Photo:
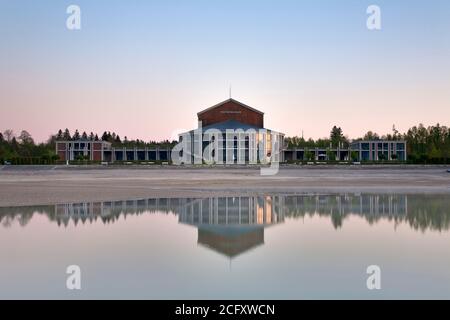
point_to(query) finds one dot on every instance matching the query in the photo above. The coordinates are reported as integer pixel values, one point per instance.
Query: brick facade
(231, 110)
(90, 150)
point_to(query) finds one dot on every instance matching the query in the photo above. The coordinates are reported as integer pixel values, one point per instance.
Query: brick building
(82, 149)
(235, 134)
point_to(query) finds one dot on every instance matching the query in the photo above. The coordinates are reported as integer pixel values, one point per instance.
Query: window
(163, 155)
(130, 156)
(119, 155)
(141, 155)
(400, 146)
(152, 155)
(365, 155)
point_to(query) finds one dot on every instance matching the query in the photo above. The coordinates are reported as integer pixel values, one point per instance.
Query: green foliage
(428, 145)
(23, 149)
(371, 136)
(424, 144)
(331, 156)
(81, 157)
(337, 139)
(309, 155)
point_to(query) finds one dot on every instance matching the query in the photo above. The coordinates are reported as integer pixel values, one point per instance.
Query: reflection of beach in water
(233, 225)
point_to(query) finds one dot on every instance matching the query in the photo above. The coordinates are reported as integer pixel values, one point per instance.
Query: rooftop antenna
(230, 91)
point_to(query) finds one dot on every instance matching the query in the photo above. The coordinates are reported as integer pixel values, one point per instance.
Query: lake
(269, 246)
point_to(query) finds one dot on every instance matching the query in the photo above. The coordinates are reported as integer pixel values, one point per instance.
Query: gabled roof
(231, 240)
(230, 100)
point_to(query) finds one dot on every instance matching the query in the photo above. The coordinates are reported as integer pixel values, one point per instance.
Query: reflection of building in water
(110, 211)
(230, 240)
(229, 225)
(420, 211)
(232, 225)
(257, 210)
(338, 207)
(254, 210)
(365, 204)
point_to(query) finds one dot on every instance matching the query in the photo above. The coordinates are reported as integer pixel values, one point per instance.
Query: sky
(145, 68)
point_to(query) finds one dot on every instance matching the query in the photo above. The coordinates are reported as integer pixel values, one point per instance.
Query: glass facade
(242, 148)
(237, 146)
(365, 155)
(380, 150)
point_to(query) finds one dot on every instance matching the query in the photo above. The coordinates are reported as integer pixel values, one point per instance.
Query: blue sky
(144, 68)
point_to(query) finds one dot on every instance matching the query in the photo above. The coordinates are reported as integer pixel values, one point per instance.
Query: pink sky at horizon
(142, 115)
(147, 74)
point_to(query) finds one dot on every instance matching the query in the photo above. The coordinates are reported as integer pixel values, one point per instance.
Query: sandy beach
(31, 185)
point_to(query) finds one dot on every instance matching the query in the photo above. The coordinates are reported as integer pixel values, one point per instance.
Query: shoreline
(218, 167)
(46, 185)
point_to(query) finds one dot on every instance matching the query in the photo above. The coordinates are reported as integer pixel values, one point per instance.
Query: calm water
(269, 246)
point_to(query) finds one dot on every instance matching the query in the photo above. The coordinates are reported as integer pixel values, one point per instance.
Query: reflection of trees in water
(22, 215)
(421, 212)
(429, 212)
(338, 207)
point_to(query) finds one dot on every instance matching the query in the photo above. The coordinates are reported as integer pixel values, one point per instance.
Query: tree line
(113, 138)
(22, 149)
(423, 144)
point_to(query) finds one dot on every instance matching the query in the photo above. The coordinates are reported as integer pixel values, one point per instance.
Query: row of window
(79, 146)
(383, 146)
(140, 155)
(383, 155)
